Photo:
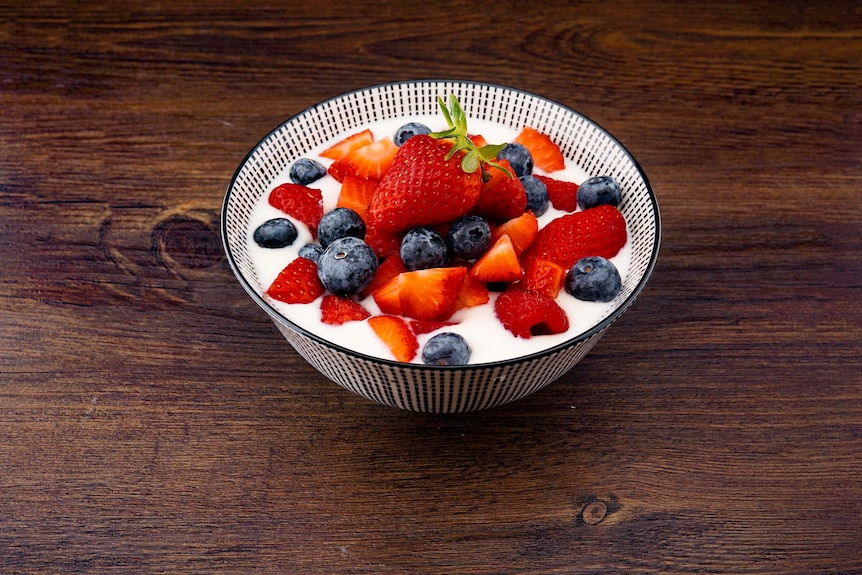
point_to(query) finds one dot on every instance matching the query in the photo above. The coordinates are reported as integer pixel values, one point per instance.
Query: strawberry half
(423, 187)
(427, 294)
(546, 154)
(502, 195)
(474, 292)
(343, 147)
(396, 334)
(498, 264)
(297, 283)
(356, 194)
(335, 310)
(563, 195)
(599, 231)
(543, 276)
(301, 202)
(526, 313)
(367, 162)
(522, 231)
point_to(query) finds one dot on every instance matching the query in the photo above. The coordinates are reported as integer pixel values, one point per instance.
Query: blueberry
(469, 237)
(519, 158)
(423, 248)
(275, 233)
(347, 266)
(305, 171)
(311, 252)
(446, 348)
(594, 278)
(599, 190)
(339, 223)
(537, 195)
(409, 130)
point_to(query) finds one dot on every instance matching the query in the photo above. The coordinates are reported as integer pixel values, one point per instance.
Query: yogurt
(489, 341)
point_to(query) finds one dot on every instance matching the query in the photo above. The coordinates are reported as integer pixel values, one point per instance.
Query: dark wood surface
(152, 419)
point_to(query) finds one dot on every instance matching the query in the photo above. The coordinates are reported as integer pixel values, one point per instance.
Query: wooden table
(152, 419)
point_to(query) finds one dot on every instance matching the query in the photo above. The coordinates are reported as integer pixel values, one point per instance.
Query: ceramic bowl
(425, 388)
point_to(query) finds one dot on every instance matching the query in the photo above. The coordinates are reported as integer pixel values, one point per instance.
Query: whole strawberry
(599, 231)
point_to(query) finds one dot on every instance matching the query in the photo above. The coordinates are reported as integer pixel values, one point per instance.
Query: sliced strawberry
(543, 276)
(502, 195)
(427, 294)
(356, 194)
(423, 188)
(498, 264)
(474, 292)
(301, 202)
(384, 243)
(526, 313)
(386, 270)
(599, 231)
(343, 147)
(297, 283)
(396, 334)
(478, 140)
(546, 154)
(373, 160)
(522, 231)
(420, 327)
(563, 194)
(336, 310)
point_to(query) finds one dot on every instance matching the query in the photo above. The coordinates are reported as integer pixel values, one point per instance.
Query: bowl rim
(581, 337)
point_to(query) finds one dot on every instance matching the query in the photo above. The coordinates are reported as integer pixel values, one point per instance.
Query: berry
(521, 230)
(347, 266)
(502, 195)
(543, 276)
(300, 202)
(546, 154)
(537, 195)
(474, 292)
(427, 295)
(335, 310)
(594, 278)
(499, 264)
(527, 313)
(297, 283)
(346, 145)
(396, 334)
(305, 171)
(423, 248)
(409, 130)
(469, 237)
(420, 327)
(598, 191)
(446, 348)
(339, 223)
(368, 162)
(386, 270)
(356, 194)
(311, 252)
(563, 195)
(598, 231)
(518, 157)
(275, 233)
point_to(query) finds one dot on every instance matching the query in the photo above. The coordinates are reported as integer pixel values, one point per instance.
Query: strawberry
(420, 327)
(502, 195)
(522, 231)
(343, 147)
(385, 244)
(478, 140)
(301, 202)
(336, 310)
(368, 162)
(563, 195)
(527, 313)
(474, 292)
(386, 270)
(427, 294)
(546, 154)
(543, 276)
(396, 334)
(297, 283)
(423, 187)
(356, 194)
(599, 231)
(498, 264)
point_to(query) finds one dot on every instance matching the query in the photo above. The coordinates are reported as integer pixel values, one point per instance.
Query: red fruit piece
(297, 283)
(474, 292)
(423, 188)
(385, 244)
(419, 327)
(386, 270)
(599, 231)
(343, 147)
(356, 194)
(526, 313)
(396, 334)
(301, 202)
(336, 310)
(502, 195)
(427, 294)
(367, 162)
(562, 194)
(522, 231)
(546, 154)
(498, 264)
(543, 276)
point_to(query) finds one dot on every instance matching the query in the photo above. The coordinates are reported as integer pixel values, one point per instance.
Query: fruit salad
(420, 240)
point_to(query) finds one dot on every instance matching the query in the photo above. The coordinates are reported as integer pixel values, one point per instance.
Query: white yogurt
(489, 341)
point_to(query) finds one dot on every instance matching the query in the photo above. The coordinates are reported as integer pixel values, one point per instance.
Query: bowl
(432, 388)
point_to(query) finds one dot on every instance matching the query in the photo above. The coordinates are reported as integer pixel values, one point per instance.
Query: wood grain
(152, 420)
